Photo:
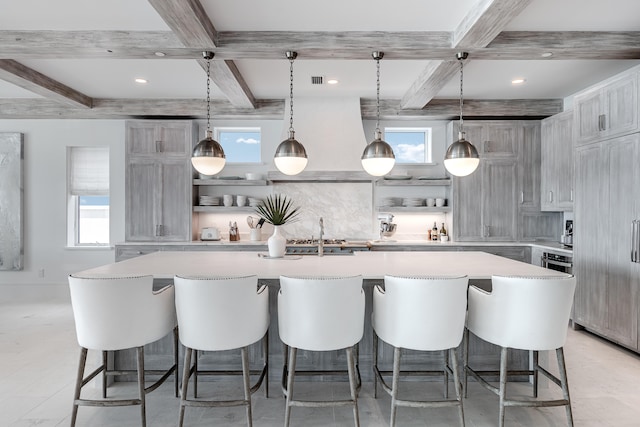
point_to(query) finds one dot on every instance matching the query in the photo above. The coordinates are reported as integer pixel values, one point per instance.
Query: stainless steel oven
(558, 262)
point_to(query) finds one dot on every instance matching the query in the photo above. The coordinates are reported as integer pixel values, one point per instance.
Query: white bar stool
(118, 313)
(320, 314)
(526, 313)
(218, 314)
(424, 314)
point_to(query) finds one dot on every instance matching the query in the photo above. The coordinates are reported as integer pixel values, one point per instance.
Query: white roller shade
(88, 171)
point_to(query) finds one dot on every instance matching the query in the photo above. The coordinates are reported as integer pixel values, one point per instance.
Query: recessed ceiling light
(161, 54)
(332, 81)
(517, 81)
(547, 54)
(141, 80)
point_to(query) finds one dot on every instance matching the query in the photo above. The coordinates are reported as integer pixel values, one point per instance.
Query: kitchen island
(478, 266)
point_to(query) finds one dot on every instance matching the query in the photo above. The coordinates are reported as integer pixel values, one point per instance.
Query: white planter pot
(277, 243)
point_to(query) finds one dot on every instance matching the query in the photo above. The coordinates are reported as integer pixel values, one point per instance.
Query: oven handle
(548, 261)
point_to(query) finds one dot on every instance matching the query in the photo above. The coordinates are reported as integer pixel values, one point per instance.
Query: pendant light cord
(291, 94)
(208, 95)
(461, 129)
(378, 97)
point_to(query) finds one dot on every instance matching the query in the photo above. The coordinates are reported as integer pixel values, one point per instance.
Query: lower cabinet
(608, 283)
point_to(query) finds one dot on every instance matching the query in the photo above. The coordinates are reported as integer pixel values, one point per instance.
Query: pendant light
(462, 157)
(208, 156)
(378, 158)
(290, 157)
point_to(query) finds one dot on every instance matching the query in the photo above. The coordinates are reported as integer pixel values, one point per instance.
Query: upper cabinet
(500, 201)
(608, 109)
(158, 180)
(556, 190)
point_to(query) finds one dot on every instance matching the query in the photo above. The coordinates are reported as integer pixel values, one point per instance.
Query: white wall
(45, 143)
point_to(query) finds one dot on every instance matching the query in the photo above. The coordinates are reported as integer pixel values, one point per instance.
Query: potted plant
(277, 210)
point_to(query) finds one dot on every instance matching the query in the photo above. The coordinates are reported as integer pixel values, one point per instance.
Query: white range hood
(330, 130)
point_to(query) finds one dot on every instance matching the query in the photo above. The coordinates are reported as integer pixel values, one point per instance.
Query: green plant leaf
(278, 210)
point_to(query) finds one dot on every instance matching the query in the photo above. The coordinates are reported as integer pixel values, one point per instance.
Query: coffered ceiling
(79, 58)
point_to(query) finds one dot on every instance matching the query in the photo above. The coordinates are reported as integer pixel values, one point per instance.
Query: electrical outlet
(41, 272)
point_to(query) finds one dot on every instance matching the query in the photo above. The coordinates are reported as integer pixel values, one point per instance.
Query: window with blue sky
(410, 145)
(240, 145)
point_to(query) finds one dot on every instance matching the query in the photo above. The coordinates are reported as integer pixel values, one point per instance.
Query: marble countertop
(371, 265)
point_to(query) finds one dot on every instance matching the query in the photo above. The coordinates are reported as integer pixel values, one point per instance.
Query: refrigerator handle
(637, 239)
(634, 240)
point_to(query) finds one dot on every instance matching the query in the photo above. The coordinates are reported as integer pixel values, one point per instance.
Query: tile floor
(38, 355)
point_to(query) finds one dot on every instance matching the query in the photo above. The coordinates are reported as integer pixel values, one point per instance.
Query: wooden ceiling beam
(478, 28)
(33, 81)
(21, 108)
(516, 45)
(190, 23)
(448, 109)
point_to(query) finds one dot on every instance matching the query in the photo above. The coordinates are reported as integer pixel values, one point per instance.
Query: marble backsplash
(346, 209)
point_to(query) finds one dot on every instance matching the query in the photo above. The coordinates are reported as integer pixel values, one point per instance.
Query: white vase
(277, 243)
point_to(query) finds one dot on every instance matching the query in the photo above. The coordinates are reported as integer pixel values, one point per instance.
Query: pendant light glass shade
(291, 157)
(208, 156)
(462, 158)
(378, 158)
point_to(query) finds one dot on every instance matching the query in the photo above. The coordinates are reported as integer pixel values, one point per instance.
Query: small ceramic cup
(227, 200)
(241, 200)
(255, 234)
(440, 202)
(431, 202)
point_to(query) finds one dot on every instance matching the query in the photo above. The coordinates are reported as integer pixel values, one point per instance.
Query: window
(88, 196)
(410, 145)
(240, 145)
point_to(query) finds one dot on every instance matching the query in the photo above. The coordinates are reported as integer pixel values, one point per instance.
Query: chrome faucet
(321, 239)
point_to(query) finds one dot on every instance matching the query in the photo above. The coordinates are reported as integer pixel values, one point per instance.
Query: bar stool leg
(105, 361)
(535, 373)
(351, 365)
(456, 379)
(78, 388)
(265, 355)
(465, 363)
(176, 384)
(247, 384)
(195, 373)
(503, 384)
(375, 365)
(445, 375)
(290, 373)
(394, 384)
(565, 384)
(143, 405)
(185, 384)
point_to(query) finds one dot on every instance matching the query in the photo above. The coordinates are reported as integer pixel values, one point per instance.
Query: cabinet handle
(633, 240)
(522, 197)
(159, 230)
(158, 146)
(602, 122)
(550, 196)
(571, 196)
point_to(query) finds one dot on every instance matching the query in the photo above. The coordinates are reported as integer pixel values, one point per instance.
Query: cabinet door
(158, 137)
(174, 203)
(590, 259)
(563, 143)
(140, 209)
(588, 109)
(622, 309)
(467, 197)
(499, 200)
(500, 139)
(548, 164)
(529, 170)
(621, 100)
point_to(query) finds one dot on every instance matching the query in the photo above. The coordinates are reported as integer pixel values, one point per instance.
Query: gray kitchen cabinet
(608, 109)
(556, 189)
(501, 200)
(607, 180)
(158, 181)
